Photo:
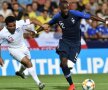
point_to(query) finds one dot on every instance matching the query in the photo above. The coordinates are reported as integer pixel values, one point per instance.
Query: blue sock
(69, 79)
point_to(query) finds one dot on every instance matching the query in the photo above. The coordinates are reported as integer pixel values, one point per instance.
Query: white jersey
(14, 40)
(16, 44)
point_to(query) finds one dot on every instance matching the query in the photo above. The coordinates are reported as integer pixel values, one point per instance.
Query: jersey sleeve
(1, 39)
(80, 14)
(21, 23)
(30, 27)
(54, 19)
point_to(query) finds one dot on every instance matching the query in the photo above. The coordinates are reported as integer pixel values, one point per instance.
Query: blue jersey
(71, 25)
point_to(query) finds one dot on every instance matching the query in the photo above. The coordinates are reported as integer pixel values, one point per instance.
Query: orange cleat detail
(72, 87)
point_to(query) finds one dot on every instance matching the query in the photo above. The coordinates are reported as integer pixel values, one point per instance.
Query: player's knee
(70, 64)
(67, 63)
(26, 62)
(63, 62)
(29, 64)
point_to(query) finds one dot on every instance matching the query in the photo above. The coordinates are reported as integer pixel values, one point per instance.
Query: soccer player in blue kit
(70, 44)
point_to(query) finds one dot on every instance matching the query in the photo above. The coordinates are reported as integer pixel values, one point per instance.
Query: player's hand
(1, 62)
(33, 34)
(45, 26)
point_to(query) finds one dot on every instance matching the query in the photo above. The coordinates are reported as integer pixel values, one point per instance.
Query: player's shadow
(62, 87)
(15, 88)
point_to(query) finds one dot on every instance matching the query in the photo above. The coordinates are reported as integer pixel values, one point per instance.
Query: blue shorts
(69, 50)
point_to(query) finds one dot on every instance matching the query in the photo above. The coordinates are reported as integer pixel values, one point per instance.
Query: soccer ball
(88, 84)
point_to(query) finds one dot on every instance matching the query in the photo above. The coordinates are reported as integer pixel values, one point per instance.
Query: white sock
(33, 74)
(70, 64)
(22, 68)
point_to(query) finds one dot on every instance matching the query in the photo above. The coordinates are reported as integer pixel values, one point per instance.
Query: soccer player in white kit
(18, 49)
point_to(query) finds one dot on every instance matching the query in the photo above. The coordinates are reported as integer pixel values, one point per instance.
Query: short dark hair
(63, 2)
(10, 19)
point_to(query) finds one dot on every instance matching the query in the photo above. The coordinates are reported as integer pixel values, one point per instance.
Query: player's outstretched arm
(31, 33)
(87, 16)
(34, 33)
(50, 23)
(1, 60)
(97, 19)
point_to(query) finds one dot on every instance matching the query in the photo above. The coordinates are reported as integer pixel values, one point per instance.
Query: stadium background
(92, 61)
(93, 57)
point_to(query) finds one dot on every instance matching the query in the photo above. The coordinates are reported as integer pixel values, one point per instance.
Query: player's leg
(74, 51)
(18, 54)
(21, 56)
(22, 68)
(67, 73)
(66, 70)
(62, 51)
(27, 63)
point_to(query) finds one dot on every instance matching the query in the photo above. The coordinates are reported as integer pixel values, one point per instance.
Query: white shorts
(19, 53)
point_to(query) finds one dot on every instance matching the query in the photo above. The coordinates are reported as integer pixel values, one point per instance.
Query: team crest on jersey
(10, 39)
(73, 20)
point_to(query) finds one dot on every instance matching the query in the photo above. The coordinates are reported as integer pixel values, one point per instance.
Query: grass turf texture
(53, 82)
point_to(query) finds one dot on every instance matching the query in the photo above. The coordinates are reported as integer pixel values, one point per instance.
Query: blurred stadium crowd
(43, 10)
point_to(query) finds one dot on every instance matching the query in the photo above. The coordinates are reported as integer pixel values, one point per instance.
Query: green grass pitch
(53, 82)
